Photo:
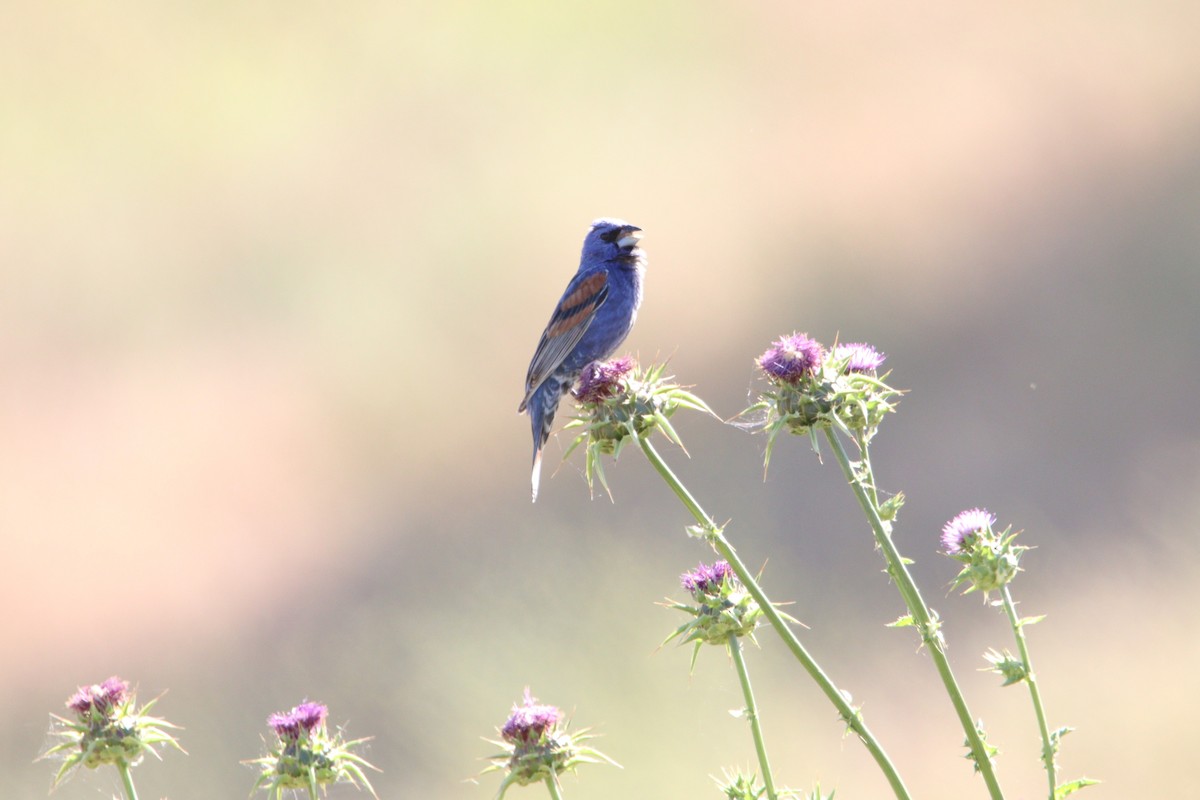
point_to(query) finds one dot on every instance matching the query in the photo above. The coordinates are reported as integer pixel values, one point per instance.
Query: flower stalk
(127, 779)
(1049, 746)
(552, 787)
(760, 747)
(706, 529)
(723, 613)
(812, 390)
(990, 560)
(862, 482)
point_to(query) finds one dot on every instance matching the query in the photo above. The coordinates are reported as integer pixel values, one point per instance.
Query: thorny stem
(1019, 632)
(739, 661)
(716, 537)
(921, 615)
(127, 779)
(552, 787)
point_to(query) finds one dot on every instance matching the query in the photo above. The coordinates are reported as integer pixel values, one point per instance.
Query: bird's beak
(630, 236)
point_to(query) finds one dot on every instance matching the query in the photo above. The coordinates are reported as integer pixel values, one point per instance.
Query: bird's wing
(570, 320)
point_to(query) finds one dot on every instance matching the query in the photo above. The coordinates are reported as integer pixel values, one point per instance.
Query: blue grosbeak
(591, 320)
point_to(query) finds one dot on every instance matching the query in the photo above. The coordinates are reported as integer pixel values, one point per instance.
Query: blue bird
(591, 320)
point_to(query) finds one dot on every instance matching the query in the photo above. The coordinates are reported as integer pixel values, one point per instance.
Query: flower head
(536, 746)
(108, 728)
(814, 390)
(705, 579)
(306, 755)
(859, 357)
(990, 558)
(529, 723)
(303, 718)
(958, 533)
(99, 697)
(722, 608)
(790, 359)
(619, 403)
(603, 379)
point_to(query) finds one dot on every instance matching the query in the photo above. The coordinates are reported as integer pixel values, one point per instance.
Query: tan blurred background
(271, 274)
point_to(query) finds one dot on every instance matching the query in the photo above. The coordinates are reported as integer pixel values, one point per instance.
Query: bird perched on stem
(591, 320)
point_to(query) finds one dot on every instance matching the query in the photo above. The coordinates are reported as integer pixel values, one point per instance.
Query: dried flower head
(107, 728)
(535, 746)
(305, 755)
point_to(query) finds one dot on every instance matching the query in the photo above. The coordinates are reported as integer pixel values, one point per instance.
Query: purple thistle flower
(791, 358)
(862, 357)
(310, 715)
(958, 533)
(602, 379)
(81, 701)
(99, 697)
(113, 691)
(528, 723)
(705, 579)
(306, 716)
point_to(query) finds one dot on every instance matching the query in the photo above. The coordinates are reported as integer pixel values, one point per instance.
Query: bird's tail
(537, 471)
(542, 407)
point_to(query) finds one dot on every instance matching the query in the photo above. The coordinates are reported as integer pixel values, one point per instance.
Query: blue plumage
(591, 320)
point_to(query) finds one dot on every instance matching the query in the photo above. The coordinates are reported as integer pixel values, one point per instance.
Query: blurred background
(271, 275)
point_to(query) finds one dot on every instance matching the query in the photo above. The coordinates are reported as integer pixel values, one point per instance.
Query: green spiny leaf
(1073, 786)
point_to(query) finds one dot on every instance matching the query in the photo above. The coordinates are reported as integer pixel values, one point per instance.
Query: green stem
(1019, 632)
(717, 538)
(127, 779)
(922, 618)
(552, 787)
(735, 650)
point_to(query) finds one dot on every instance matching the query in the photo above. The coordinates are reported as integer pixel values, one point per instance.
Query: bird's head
(612, 239)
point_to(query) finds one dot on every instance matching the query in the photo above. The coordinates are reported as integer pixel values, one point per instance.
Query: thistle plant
(630, 409)
(723, 613)
(536, 748)
(813, 389)
(305, 756)
(838, 392)
(618, 403)
(107, 727)
(990, 562)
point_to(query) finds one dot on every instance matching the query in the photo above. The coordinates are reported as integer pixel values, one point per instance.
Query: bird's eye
(611, 236)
